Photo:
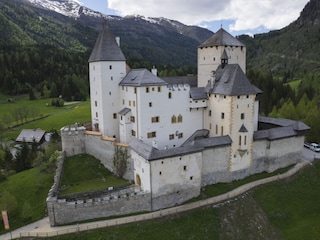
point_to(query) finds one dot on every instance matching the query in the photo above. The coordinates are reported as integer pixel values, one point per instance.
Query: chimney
(154, 71)
(118, 41)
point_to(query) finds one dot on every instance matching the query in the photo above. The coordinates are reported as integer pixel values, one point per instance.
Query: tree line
(280, 100)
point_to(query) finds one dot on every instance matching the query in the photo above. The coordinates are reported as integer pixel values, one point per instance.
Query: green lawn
(59, 116)
(29, 189)
(90, 174)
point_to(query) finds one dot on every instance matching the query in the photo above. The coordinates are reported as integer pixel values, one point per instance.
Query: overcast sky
(236, 16)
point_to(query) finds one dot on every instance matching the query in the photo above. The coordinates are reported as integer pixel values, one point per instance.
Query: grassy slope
(28, 186)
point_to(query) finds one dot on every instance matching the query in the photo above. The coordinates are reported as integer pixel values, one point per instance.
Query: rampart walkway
(42, 228)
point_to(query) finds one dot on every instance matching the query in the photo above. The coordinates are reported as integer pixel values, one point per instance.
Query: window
(132, 118)
(242, 116)
(171, 136)
(209, 113)
(180, 118)
(135, 90)
(110, 93)
(134, 103)
(123, 101)
(239, 140)
(180, 135)
(147, 89)
(96, 103)
(114, 116)
(96, 114)
(150, 104)
(169, 95)
(221, 130)
(133, 133)
(173, 119)
(185, 168)
(216, 129)
(126, 89)
(111, 78)
(159, 89)
(110, 67)
(222, 115)
(245, 140)
(152, 89)
(155, 119)
(151, 134)
(129, 102)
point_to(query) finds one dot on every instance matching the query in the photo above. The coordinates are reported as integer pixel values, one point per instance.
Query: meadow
(54, 117)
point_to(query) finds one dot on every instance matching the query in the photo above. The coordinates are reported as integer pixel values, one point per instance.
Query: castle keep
(182, 133)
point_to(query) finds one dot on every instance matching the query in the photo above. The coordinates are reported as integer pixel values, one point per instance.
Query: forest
(55, 72)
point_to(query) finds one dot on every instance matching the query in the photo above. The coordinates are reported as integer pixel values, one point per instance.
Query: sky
(235, 16)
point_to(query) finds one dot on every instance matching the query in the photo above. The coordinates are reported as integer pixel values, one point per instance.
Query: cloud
(246, 14)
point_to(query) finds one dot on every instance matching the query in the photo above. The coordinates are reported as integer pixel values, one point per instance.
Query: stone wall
(118, 203)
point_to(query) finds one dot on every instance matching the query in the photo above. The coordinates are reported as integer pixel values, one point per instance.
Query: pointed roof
(243, 129)
(141, 77)
(230, 80)
(224, 55)
(222, 38)
(106, 47)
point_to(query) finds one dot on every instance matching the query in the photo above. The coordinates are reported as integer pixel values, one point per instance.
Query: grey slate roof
(278, 128)
(224, 55)
(230, 80)
(197, 145)
(124, 111)
(282, 122)
(275, 133)
(106, 47)
(142, 77)
(30, 135)
(243, 128)
(222, 38)
(198, 93)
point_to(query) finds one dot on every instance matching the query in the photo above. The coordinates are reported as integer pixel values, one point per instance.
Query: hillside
(291, 52)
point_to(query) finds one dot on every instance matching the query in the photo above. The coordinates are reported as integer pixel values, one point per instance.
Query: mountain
(292, 52)
(154, 40)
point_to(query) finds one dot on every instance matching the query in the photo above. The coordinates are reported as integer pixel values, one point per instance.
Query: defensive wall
(268, 155)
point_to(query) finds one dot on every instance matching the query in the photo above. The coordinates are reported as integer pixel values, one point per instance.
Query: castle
(182, 133)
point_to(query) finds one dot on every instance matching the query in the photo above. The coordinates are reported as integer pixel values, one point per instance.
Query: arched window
(173, 119)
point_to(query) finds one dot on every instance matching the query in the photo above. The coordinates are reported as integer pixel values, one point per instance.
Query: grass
(59, 116)
(294, 84)
(30, 187)
(292, 206)
(90, 175)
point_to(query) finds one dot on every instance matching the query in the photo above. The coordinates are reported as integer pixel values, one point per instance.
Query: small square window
(242, 116)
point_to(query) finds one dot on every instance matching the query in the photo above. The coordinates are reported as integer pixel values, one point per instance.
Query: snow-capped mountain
(68, 8)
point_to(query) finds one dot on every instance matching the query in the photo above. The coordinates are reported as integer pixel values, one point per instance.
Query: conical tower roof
(106, 47)
(222, 38)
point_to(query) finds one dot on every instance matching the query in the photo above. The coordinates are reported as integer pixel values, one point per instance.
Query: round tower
(107, 67)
